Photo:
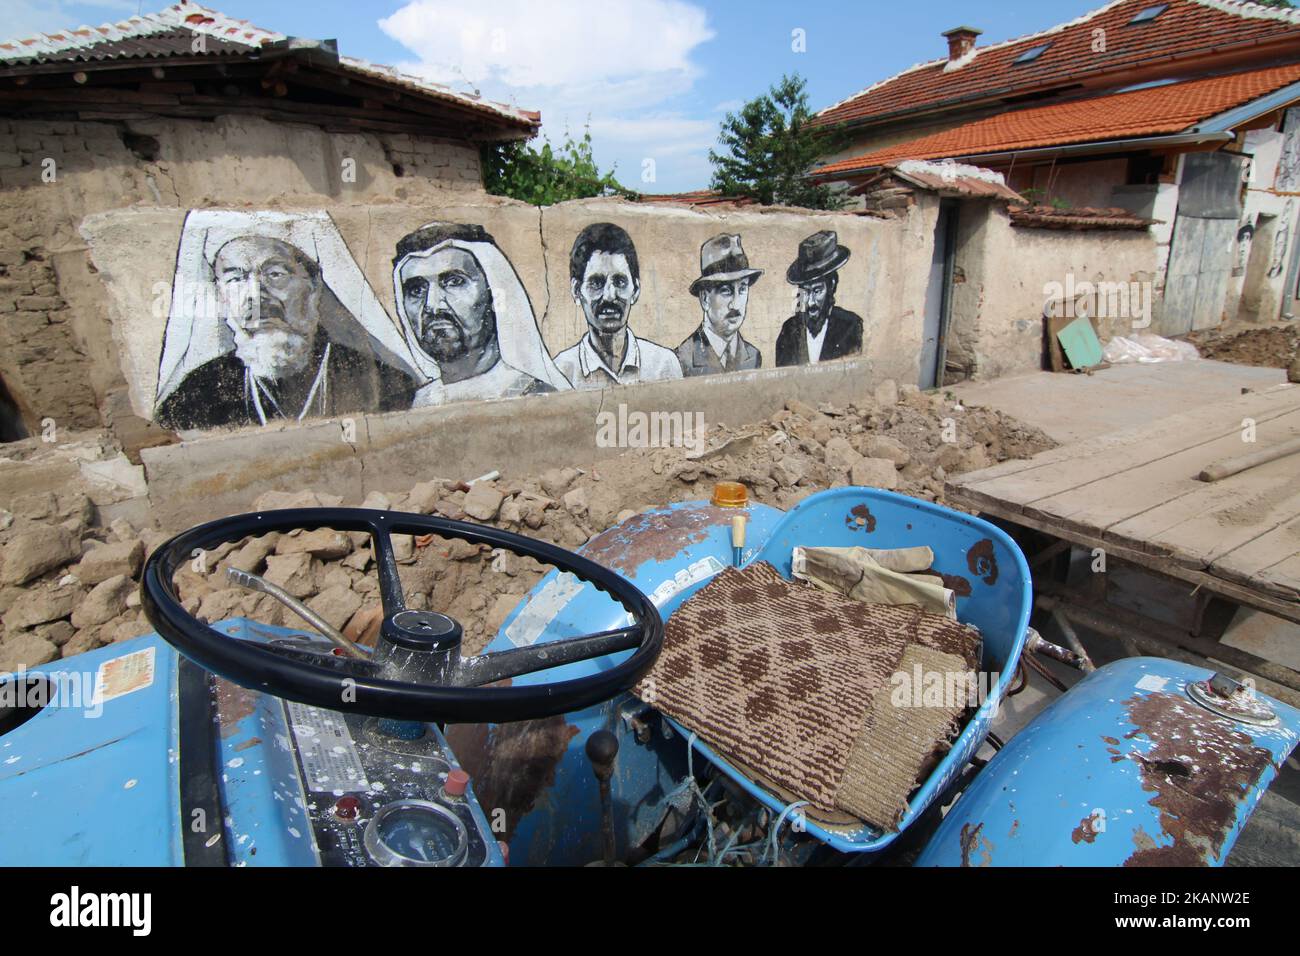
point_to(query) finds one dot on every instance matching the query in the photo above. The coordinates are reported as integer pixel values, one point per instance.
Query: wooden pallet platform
(1134, 493)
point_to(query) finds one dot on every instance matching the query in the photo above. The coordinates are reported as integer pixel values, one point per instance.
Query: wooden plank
(1270, 562)
(1201, 527)
(1219, 419)
(1240, 593)
(1099, 505)
(1119, 452)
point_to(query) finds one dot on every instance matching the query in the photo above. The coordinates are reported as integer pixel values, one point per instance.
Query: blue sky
(654, 76)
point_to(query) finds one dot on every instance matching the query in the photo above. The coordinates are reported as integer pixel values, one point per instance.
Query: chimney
(961, 40)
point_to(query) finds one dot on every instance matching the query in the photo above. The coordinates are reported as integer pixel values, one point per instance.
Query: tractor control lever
(253, 582)
(602, 750)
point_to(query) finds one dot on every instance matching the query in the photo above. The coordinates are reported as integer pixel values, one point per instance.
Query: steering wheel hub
(423, 631)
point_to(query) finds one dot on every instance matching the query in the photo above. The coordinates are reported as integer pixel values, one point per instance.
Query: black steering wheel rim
(261, 669)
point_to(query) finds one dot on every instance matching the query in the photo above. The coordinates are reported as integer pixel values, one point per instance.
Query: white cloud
(615, 65)
(523, 43)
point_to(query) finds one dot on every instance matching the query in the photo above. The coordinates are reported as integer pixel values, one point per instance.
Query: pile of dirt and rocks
(68, 585)
(1274, 347)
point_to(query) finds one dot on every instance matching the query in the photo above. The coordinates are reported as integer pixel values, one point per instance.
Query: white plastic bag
(1147, 348)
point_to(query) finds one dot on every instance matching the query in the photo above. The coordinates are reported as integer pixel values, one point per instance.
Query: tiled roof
(1150, 111)
(170, 33)
(1188, 28)
(955, 179)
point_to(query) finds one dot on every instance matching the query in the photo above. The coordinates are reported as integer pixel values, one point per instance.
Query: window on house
(1030, 55)
(1148, 14)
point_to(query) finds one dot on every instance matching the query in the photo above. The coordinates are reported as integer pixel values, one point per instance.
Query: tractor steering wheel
(416, 671)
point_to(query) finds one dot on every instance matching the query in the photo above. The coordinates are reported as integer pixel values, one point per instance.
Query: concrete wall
(1264, 252)
(57, 354)
(1007, 275)
(224, 472)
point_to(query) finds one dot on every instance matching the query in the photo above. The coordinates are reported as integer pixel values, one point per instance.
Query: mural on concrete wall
(467, 319)
(272, 319)
(1245, 235)
(605, 279)
(722, 288)
(1281, 240)
(819, 330)
(1288, 164)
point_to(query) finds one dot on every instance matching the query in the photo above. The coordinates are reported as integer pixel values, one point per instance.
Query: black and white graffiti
(467, 319)
(1281, 240)
(1288, 164)
(722, 288)
(605, 279)
(819, 330)
(272, 319)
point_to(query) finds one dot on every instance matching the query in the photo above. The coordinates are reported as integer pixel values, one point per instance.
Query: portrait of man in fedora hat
(820, 330)
(723, 290)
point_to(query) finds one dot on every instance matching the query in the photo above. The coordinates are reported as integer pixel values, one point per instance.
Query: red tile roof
(1146, 112)
(1187, 29)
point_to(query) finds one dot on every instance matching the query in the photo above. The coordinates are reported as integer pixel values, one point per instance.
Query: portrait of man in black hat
(820, 330)
(723, 290)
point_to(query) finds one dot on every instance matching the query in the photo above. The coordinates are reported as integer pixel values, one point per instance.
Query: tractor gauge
(416, 833)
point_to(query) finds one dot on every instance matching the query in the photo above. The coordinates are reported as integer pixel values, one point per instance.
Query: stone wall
(1006, 276)
(57, 349)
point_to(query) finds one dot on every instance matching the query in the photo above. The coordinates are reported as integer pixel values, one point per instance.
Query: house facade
(1182, 112)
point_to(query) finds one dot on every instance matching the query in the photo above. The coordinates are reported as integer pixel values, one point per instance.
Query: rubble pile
(68, 585)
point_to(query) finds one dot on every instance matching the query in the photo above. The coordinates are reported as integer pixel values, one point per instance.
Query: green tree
(769, 146)
(546, 176)
(1285, 4)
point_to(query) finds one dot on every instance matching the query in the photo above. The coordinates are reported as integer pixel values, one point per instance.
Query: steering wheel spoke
(390, 582)
(499, 665)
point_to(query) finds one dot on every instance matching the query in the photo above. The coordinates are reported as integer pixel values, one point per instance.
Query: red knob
(347, 808)
(457, 781)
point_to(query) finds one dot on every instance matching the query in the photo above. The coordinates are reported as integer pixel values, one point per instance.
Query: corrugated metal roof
(178, 42)
(171, 32)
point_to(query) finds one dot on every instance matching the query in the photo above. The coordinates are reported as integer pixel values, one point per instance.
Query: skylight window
(1149, 13)
(1030, 55)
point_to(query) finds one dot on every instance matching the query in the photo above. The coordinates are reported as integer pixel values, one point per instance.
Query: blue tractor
(242, 744)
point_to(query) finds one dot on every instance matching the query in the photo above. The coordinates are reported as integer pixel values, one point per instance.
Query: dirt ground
(1275, 347)
(68, 585)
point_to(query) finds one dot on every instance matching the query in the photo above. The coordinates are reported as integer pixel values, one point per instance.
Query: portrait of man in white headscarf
(272, 319)
(467, 318)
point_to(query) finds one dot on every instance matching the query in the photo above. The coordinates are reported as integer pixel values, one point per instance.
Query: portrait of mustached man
(605, 279)
(723, 292)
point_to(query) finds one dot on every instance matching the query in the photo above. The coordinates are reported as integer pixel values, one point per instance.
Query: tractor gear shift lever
(602, 751)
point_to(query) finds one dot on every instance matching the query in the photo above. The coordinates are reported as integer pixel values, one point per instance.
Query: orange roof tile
(1186, 30)
(1146, 112)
